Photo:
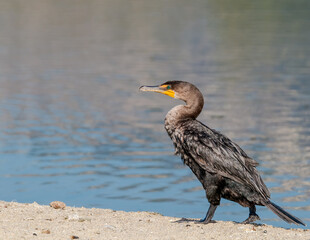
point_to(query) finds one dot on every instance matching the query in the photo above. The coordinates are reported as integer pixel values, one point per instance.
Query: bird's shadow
(190, 220)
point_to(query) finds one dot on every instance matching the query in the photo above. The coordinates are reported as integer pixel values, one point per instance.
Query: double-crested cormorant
(222, 167)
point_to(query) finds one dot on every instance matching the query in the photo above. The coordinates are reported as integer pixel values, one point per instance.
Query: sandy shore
(34, 221)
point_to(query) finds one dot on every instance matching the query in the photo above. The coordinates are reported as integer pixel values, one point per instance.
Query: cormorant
(222, 167)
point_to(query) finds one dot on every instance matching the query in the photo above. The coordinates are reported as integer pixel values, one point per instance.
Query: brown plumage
(222, 167)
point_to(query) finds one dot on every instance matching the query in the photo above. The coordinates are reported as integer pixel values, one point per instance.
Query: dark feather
(216, 153)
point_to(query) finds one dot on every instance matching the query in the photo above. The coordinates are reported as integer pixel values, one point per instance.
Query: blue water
(75, 128)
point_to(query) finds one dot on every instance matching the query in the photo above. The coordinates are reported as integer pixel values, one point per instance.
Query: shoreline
(34, 221)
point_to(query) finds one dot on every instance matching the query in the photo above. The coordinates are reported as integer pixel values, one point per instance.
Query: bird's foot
(203, 221)
(251, 218)
(209, 214)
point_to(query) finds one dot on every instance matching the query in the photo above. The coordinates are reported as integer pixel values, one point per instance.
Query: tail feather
(287, 217)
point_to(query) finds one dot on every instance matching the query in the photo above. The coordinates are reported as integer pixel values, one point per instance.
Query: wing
(216, 153)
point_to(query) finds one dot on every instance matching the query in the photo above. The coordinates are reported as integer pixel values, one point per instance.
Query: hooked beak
(160, 89)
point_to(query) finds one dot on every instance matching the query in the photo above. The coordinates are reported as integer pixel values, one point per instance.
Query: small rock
(73, 217)
(58, 205)
(46, 231)
(74, 237)
(109, 227)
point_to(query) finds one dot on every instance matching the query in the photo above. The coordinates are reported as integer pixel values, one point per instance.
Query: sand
(34, 221)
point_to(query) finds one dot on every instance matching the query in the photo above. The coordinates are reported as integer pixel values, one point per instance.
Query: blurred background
(75, 128)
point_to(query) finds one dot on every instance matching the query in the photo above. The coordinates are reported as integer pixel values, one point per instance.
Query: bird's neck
(181, 113)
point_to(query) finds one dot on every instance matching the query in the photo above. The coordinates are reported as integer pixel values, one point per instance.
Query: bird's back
(208, 150)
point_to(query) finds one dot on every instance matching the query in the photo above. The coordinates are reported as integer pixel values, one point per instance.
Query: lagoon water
(75, 128)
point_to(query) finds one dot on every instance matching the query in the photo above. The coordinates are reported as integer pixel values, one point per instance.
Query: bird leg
(209, 214)
(252, 216)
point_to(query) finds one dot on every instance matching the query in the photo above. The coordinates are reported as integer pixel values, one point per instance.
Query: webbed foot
(251, 218)
(209, 214)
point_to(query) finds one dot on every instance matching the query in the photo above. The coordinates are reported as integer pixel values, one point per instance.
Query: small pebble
(46, 231)
(73, 217)
(109, 227)
(58, 205)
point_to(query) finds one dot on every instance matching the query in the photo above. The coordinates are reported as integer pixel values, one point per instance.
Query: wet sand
(34, 221)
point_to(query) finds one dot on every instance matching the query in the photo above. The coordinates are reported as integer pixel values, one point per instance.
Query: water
(75, 128)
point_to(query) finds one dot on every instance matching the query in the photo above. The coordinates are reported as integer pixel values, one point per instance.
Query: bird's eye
(168, 87)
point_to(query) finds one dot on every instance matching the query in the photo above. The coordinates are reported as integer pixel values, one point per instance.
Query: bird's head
(184, 91)
(175, 89)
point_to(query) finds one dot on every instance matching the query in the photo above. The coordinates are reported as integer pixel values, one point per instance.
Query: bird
(221, 166)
